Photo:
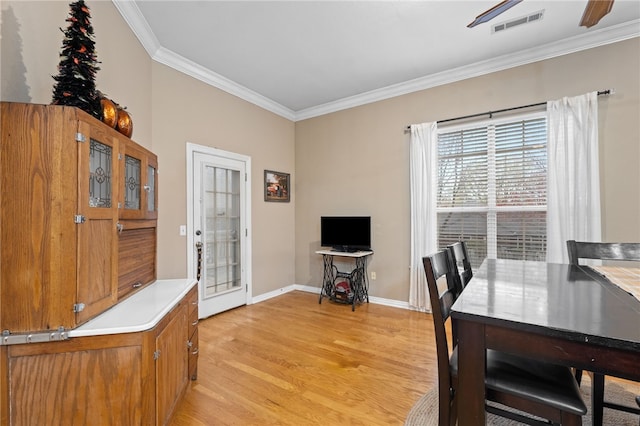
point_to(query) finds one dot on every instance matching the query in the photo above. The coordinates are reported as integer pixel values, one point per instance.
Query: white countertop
(140, 312)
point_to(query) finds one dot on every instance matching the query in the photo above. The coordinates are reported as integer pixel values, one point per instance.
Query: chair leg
(597, 397)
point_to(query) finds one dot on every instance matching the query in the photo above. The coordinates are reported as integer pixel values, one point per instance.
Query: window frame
(491, 209)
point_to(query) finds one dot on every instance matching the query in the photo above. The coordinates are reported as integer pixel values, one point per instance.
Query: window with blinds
(492, 188)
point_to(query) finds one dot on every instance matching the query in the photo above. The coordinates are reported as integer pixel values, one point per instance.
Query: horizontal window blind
(492, 186)
(521, 163)
(462, 168)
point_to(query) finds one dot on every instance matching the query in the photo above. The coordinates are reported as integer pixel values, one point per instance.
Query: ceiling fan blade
(493, 12)
(594, 11)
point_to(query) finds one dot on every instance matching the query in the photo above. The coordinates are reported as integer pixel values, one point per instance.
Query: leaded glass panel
(151, 184)
(131, 183)
(100, 173)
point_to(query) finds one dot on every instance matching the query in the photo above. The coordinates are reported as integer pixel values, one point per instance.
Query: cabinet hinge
(78, 307)
(80, 137)
(156, 355)
(79, 219)
(45, 336)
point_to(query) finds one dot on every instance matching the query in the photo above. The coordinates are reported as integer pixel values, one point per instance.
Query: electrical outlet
(373, 275)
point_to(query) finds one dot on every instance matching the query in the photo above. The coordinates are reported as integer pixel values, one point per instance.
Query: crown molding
(138, 24)
(186, 66)
(590, 40)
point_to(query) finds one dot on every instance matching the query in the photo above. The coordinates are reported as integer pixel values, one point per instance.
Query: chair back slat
(463, 271)
(603, 251)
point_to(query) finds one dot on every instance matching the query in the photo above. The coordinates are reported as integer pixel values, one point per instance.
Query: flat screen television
(346, 233)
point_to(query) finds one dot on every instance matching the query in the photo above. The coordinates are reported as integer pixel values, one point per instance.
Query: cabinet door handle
(189, 343)
(119, 227)
(195, 352)
(194, 323)
(147, 188)
(137, 284)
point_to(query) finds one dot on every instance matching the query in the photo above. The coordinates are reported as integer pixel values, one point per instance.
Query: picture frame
(277, 186)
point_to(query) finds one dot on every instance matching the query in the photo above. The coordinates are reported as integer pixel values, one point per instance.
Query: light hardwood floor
(292, 361)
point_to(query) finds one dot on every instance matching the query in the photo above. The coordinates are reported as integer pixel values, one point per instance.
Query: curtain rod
(490, 113)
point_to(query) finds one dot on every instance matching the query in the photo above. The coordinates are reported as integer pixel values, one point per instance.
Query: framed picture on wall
(277, 186)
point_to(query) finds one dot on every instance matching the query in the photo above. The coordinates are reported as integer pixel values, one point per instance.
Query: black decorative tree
(78, 64)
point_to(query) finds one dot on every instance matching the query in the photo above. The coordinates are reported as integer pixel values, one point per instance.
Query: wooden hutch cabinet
(79, 214)
(59, 212)
(78, 221)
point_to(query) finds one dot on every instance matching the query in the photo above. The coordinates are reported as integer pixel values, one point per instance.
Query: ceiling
(301, 59)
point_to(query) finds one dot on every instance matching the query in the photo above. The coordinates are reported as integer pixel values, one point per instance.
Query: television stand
(357, 276)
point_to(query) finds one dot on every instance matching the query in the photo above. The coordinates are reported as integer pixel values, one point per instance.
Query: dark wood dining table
(565, 314)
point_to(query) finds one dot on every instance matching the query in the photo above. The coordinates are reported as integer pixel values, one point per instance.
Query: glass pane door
(220, 235)
(221, 199)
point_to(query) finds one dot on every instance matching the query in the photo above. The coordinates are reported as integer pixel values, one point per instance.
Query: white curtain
(573, 179)
(423, 167)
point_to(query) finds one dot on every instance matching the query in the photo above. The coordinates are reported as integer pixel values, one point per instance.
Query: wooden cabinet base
(118, 379)
(88, 382)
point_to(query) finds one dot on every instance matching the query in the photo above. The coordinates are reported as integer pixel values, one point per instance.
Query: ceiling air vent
(536, 16)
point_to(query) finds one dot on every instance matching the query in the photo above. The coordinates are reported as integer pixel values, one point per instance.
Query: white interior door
(219, 231)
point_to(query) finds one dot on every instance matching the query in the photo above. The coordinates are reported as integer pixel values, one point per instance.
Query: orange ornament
(109, 112)
(125, 124)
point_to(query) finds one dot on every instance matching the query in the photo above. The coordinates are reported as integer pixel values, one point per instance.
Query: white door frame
(246, 245)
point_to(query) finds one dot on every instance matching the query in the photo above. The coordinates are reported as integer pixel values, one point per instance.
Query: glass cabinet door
(150, 187)
(100, 173)
(98, 177)
(140, 179)
(132, 182)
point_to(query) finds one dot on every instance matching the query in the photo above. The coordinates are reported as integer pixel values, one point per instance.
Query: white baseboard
(310, 289)
(274, 293)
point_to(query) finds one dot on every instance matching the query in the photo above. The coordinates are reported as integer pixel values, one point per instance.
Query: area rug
(425, 410)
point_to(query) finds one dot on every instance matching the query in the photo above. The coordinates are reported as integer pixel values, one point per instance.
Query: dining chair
(540, 389)
(461, 260)
(602, 251)
(462, 273)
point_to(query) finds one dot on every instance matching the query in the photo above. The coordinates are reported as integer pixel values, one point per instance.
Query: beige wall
(350, 162)
(186, 110)
(356, 161)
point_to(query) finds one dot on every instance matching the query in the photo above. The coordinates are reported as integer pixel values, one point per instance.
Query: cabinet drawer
(192, 300)
(193, 322)
(193, 355)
